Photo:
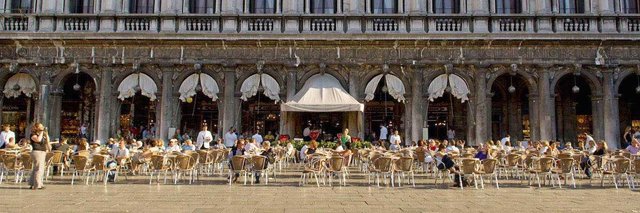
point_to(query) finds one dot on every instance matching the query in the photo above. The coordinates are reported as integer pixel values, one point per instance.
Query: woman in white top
(173, 146)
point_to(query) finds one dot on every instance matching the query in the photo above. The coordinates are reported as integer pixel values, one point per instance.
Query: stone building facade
(521, 67)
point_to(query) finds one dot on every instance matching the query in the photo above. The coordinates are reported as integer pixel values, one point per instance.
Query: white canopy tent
(250, 87)
(20, 83)
(127, 87)
(394, 85)
(208, 85)
(459, 88)
(322, 93)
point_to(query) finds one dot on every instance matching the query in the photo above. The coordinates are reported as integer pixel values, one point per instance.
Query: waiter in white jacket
(204, 138)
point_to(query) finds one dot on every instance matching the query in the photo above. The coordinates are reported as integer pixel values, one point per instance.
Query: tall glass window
(202, 6)
(508, 6)
(630, 6)
(446, 6)
(21, 6)
(141, 6)
(324, 6)
(81, 6)
(571, 6)
(384, 6)
(262, 6)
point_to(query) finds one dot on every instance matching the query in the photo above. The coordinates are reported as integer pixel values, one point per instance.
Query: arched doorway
(138, 107)
(384, 106)
(629, 103)
(574, 108)
(260, 111)
(447, 108)
(78, 106)
(199, 95)
(510, 108)
(18, 104)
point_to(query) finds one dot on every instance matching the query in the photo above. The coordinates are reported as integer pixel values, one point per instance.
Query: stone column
(546, 106)
(471, 120)
(534, 116)
(480, 9)
(408, 123)
(229, 101)
(606, 8)
(482, 112)
(291, 23)
(168, 10)
(167, 105)
(1, 105)
(598, 116)
(287, 121)
(109, 7)
(418, 108)
(56, 115)
(354, 81)
(230, 23)
(611, 115)
(544, 8)
(354, 8)
(48, 9)
(106, 106)
(416, 22)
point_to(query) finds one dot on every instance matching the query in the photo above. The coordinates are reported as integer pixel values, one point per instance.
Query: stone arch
(184, 75)
(65, 74)
(313, 70)
(592, 80)
(532, 84)
(621, 76)
(469, 80)
(4, 77)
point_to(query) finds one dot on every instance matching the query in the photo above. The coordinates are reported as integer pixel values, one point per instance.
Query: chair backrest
(566, 165)
(336, 163)
(564, 155)
(513, 159)
(83, 153)
(10, 161)
(622, 165)
(259, 162)
(158, 162)
(99, 162)
(636, 166)
(185, 162)
(56, 157)
(626, 155)
(420, 155)
(469, 166)
(467, 155)
(405, 164)
(25, 159)
(238, 163)
(489, 165)
(546, 164)
(80, 161)
(383, 164)
(203, 156)
(195, 156)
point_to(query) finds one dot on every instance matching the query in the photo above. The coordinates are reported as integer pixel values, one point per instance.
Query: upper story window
(324, 6)
(141, 6)
(21, 6)
(262, 6)
(630, 6)
(384, 6)
(446, 6)
(571, 6)
(81, 6)
(202, 6)
(508, 6)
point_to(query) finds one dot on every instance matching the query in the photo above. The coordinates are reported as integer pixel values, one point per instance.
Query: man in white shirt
(450, 147)
(395, 137)
(173, 146)
(204, 138)
(258, 138)
(504, 141)
(383, 132)
(7, 137)
(230, 138)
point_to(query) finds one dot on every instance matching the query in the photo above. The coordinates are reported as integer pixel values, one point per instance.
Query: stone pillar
(416, 23)
(56, 116)
(354, 81)
(354, 8)
(291, 23)
(471, 120)
(611, 116)
(167, 9)
(106, 106)
(230, 23)
(545, 24)
(287, 121)
(167, 105)
(480, 9)
(534, 116)
(608, 21)
(48, 8)
(482, 112)
(5, 7)
(42, 113)
(417, 105)
(598, 116)
(1, 105)
(408, 123)
(109, 7)
(546, 106)
(229, 102)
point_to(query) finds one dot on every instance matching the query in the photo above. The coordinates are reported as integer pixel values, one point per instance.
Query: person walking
(40, 143)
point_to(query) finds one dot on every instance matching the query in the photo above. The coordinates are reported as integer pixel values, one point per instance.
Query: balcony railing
(323, 23)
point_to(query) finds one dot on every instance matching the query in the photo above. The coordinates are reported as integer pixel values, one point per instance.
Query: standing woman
(39, 142)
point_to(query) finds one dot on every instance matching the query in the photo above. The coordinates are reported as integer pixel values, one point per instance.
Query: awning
(395, 87)
(250, 87)
(208, 85)
(322, 93)
(458, 86)
(127, 87)
(20, 83)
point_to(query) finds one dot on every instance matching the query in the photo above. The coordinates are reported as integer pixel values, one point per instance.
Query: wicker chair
(218, 160)
(259, 163)
(10, 163)
(566, 168)
(26, 165)
(205, 161)
(620, 168)
(542, 166)
(159, 164)
(315, 167)
(81, 168)
(99, 164)
(336, 167)
(382, 166)
(238, 165)
(471, 167)
(185, 164)
(489, 168)
(55, 160)
(635, 172)
(404, 167)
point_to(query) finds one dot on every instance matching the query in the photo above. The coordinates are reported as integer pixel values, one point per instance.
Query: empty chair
(159, 165)
(238, 166)
(10, 163)
(80, 168)
(314, 168)
(566, 168)
(336, 167)
(185, 164)
(620, 168)
(404, 167)
(55, 160)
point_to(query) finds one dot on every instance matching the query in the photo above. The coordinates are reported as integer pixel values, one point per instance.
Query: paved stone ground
(212, 194)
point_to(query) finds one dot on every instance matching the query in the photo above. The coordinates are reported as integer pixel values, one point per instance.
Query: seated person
(218, 144)
(25, 145)
(94, 148)
(395, 146)
(173, 146)
(445, 163)
(238, 150)
(634, 147)
(120, 155)
(188, 146)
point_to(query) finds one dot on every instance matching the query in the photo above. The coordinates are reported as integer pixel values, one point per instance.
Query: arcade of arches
(536, 104)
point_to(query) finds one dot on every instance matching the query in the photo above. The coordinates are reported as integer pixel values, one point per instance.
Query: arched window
(21, 6)
(202, 6)
(571, 6)
(262, 6)
(446, 6)
(141, 6)
(630, 6)
(81, 6)
(324, 6)
(384, 6)
(508, 6)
